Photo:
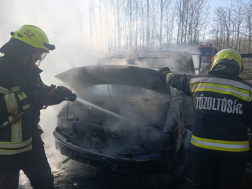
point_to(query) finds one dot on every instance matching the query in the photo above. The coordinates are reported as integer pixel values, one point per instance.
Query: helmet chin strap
(29, 63)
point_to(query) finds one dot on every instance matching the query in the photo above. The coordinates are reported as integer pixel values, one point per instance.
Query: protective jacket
(222, 111)
(14, 76)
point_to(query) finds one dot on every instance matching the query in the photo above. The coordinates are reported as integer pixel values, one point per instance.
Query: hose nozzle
(72, 97)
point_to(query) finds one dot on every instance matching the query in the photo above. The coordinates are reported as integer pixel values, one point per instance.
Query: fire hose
(14, 118)
(50, 96)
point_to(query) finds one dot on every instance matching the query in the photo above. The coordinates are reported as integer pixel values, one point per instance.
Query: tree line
(232, 26)
(135, 25)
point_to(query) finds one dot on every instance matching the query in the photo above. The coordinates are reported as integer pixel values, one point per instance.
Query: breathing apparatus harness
(52, 93)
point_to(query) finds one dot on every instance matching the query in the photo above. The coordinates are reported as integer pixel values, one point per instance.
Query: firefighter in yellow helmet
(222, 113)
(21, 89)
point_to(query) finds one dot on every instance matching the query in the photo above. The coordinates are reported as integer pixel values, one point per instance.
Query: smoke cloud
(64, 22)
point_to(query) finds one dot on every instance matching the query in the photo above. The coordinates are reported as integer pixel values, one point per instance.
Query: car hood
(133, 92)
(112, 74)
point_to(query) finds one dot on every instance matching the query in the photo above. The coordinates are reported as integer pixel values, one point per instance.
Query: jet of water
(102, 109)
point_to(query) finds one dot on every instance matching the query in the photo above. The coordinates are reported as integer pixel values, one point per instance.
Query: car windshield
(113, 90)
(176, 61)
(156, 63)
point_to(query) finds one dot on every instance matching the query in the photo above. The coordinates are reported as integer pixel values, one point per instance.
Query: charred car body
(155, 133)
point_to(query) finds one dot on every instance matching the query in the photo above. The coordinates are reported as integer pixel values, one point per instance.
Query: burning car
(152, 130)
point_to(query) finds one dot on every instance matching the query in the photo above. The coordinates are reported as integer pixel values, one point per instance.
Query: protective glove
(37, 98)
(162, 74)
(62, 93)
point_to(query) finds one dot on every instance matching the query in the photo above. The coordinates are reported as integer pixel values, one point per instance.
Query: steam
(174, 59)
(143, 106)
(67, 29)
(64, 23)
(102, 109)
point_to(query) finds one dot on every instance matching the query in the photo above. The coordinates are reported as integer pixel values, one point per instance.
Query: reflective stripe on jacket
(16, 145)
(222, 111)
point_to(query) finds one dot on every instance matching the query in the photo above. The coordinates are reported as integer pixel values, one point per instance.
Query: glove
(162, 74)
(37, 98)
(62, 93)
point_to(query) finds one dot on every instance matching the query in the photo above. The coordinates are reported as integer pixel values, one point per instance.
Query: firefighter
(21, 89)
(222, 113)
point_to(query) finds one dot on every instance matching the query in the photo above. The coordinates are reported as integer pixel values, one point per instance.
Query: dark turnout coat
(222, 111)
(16, 77)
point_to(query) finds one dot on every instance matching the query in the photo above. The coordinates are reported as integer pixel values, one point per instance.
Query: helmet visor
(38, 63)
(43, 55)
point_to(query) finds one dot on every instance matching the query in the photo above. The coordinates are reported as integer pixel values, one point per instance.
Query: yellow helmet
(33, 36)
(229, 56)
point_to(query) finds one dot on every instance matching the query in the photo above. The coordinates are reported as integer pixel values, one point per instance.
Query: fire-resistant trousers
(34, 164)
(211, 172)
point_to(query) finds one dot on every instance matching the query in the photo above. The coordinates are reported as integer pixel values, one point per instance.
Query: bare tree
(148, 25)
(118, 24)
(133, 25)
(249, 25)
(232, 26)
(191, 19)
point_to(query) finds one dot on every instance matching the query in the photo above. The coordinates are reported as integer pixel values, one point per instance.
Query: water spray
(14, 118)
(102, 109)
(73, 97)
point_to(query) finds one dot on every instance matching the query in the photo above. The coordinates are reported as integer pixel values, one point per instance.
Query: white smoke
(64, 22)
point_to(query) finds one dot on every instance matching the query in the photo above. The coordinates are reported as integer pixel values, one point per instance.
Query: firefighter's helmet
(229, 57)
(33, 36)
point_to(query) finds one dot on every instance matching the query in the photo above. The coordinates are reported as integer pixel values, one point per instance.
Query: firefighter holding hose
(22, 96)
(222, 113)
